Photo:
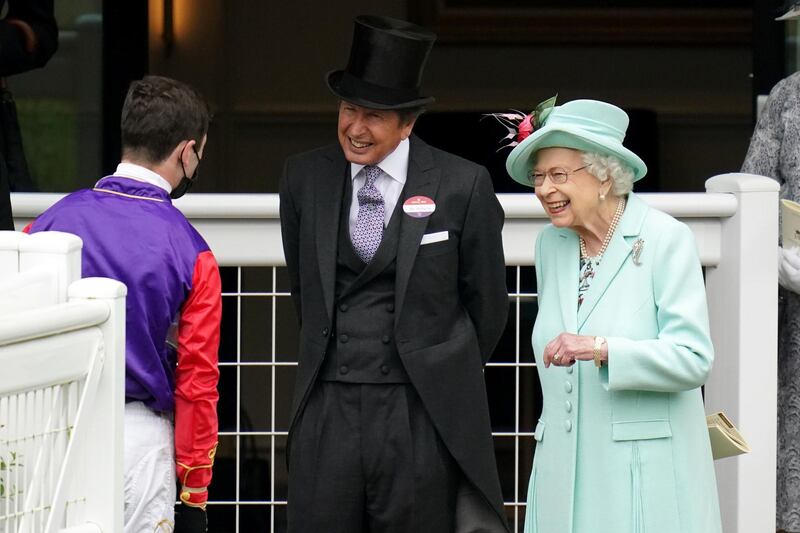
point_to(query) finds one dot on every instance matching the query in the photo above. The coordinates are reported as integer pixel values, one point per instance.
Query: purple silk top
(132, 233)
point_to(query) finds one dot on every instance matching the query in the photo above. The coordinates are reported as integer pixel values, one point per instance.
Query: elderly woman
(621, 341)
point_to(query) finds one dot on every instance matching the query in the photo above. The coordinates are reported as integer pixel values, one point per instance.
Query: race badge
(419, 206)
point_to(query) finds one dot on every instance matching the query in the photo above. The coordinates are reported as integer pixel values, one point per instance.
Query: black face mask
(186, 181)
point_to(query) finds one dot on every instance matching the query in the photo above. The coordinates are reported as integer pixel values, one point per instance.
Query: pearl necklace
(609, 234)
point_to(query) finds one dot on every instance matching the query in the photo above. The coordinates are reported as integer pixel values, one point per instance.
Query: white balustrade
(735, 225)
(61, 389)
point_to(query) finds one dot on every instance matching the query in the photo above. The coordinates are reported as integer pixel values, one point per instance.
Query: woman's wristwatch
(598, 344)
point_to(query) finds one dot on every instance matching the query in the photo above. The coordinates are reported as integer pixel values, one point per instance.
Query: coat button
(343, 308)
(568, 386)
(568, 425)
(344, 369)
(390, 308)
(570, 369)
(385, 339)
(324, 332)
(384, 370)
(343, 338)
(568, 406)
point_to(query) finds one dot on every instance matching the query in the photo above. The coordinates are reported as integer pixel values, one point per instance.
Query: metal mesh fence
(258, 364)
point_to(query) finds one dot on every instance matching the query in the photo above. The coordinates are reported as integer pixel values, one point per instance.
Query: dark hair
(158, 114)
(411, 113)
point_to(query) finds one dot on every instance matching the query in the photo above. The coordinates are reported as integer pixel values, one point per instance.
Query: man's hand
(789, 269)
(190, 519)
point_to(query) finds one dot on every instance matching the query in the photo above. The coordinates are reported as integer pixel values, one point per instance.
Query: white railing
(61, 389)
(735, 224)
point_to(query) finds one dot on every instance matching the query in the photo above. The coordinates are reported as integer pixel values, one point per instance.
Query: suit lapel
(328, 205)
(615, 255)
(422, 180)
(568, 254)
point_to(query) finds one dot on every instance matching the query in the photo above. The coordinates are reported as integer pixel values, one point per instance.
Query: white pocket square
(434, 237)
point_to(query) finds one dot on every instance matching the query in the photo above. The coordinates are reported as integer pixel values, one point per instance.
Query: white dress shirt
(140, 173)
(394, 170)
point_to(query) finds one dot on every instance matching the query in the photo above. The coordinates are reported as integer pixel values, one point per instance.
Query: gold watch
(598, 343)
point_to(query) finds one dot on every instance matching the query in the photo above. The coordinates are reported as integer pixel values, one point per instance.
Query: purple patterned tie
(369, 224)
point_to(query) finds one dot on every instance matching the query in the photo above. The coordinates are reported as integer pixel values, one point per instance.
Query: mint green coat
(625, 448)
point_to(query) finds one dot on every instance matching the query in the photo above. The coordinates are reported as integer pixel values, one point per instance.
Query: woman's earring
(602, 196)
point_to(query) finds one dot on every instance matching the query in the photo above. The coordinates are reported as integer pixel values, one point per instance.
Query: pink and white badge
(419, 206)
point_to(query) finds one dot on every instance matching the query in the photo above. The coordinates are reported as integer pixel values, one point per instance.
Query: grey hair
(604, 167)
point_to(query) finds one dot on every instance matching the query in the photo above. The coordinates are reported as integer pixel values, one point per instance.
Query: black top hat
(385, 67)
(791, 10)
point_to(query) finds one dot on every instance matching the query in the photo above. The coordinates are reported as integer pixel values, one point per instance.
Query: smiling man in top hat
(396, 266)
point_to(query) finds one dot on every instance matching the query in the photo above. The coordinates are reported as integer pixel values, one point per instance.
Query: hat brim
(334, 78)
(563, 136)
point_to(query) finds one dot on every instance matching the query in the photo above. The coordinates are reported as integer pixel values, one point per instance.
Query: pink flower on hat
(525, 128)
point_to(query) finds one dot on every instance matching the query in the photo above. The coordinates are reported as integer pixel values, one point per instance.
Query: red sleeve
(196, 381)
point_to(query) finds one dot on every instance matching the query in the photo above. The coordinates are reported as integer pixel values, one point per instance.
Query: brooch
(638, 244)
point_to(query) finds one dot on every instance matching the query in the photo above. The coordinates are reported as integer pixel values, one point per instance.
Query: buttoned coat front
(451, 300)
(625, 448)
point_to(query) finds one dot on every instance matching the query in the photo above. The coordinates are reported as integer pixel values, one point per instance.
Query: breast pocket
(438, 248)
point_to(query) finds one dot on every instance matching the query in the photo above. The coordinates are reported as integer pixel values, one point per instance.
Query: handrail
(266, 206)
(683, 205)
(43, 322)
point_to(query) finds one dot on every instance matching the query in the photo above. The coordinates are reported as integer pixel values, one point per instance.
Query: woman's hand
(789, 269)
(567, 348)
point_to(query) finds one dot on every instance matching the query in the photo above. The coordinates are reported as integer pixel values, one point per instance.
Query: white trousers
(149, 471)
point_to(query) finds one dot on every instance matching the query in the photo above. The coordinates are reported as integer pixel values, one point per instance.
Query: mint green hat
(586, 125)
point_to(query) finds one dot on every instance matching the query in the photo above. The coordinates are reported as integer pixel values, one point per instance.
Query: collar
(630, 224)
(395, 165)
(140, 173)
(633, 217)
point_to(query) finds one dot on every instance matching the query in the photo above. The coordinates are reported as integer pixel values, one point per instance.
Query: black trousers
(366, 459)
